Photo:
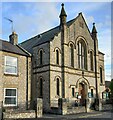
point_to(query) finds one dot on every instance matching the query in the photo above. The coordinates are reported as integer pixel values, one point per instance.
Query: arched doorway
(82, 92)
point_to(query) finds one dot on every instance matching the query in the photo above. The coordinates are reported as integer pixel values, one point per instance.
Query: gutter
(24, 50)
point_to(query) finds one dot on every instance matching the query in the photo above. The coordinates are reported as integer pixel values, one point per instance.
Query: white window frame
(6, 64)
(10, 97)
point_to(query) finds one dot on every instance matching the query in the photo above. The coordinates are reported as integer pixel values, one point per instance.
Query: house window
(72, 55)
(57, 57)
(41, 87)
(91, 60)
(10, 97)
(58, 87)
(73, 92)
(82, 55)
(100, 75)
(91, 92)
(10, 65)
(41, 57)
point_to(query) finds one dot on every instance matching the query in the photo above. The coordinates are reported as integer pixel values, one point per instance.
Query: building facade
(66, 63)
(15, 75)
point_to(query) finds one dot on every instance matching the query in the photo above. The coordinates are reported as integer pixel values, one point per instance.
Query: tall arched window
(41, 87)
(72, 55)
(41, 57)
(101, 75)
(57, 57)
(58, 86)
(91, 60)
(82, 55)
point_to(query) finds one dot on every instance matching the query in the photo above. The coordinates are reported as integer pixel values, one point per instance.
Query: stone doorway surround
(82, 85)
(82, 91)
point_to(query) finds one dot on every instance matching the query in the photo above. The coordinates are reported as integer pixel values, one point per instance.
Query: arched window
(82, 55)
(101, 75)
(91, 60)
(73, 92)
(57, 57)
(41, 57)
(72, 55)
(41, 87)
(58, 86)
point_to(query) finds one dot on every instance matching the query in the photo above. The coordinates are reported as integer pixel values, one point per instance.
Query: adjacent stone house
(66, 63)
(15, 75)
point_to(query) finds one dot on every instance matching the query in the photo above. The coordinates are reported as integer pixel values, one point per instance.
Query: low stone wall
(39, 107)
(19, 114)
(74, 110)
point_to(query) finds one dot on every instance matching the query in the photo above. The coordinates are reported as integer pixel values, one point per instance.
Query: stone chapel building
(66, 63)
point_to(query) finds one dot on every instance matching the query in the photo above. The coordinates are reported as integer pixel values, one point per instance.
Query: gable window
(91, 60)
(82, 55)
(41, 57)
(41, 87)
(10, 97)
(100, 75)
(57, 57)
(10, 65)
(73, 92)
(72, 55)
(58, 86)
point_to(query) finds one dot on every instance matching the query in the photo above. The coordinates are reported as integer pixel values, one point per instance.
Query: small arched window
(101, 75)
(41, 87)
(72, 55)
(58, 86)
(82, 55)
(57, 57)
(41, 57)
(91, 60)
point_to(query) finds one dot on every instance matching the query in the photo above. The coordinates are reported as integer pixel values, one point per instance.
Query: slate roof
(43, 37)
(8, 47)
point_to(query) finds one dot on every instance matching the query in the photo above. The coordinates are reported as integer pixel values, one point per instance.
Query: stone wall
(41, 71)
(18, 81)
(39, 107)
(16, 115)
(1, 83)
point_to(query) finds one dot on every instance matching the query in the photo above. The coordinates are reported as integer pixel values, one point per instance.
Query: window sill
(9, 105)
(10, 74)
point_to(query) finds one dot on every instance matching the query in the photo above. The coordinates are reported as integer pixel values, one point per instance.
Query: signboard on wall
(79, 96)
(89, 94)
(104, 95)
(76, 94)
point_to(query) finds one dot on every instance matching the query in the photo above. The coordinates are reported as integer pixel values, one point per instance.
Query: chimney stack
(13, 38)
